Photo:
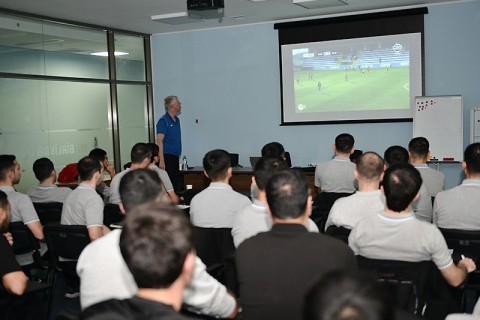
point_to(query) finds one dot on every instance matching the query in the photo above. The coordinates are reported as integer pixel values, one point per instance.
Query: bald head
(370, 166)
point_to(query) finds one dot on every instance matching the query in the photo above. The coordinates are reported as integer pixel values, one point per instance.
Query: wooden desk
(240, 181)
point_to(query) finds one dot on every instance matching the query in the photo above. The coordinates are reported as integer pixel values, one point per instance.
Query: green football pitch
(357, 90)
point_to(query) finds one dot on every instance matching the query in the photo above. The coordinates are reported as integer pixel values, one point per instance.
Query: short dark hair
(287, 194)
(154, 242)
(471, 156)
(87, 166)
(419, 147)
(395, 154)
(401, 183)
(42, 168)
(337, 292)
(344, 143)
(273, 150)
(3, 200)
(140, 151)
(370, 165)
(265, 168)
(138, 187)
(216, 164)
(155, 150)
(98, 154)
(7, 162)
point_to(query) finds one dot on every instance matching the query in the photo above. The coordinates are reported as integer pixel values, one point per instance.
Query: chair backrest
(112, 214)
(23, 239)
(466, 242)
(213, 245)
(340, 233)
(322, 204)
(66, 241)
(48, 212)
(417, 287)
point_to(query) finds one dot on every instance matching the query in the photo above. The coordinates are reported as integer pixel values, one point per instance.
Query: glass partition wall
(66, 89)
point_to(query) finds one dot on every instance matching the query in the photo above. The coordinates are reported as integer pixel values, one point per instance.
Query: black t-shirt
(8, 263)
(133, 308)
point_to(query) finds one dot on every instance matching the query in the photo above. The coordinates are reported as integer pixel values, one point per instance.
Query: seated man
(167, 184)
(422, 206)
(103, 189)
(216, 206)
(419, 151)
(156, 244)
(104, 274)
(255, 218)
(275, 268)
(458, 208)
(83, 205)
(395, 234)
(21, 207)
(140, 157)
(47, 190)
(367, 201)
(13, 278)
(336, 175)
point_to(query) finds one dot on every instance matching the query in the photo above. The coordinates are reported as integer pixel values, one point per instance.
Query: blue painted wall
(229, 79)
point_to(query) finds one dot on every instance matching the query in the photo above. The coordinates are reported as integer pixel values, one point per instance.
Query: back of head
(401, 183)
(87, 166)
(344, 143)
(154, 149)
(98, 154)
(138, 187)
(167, 101)
(7, 163)
(471, 156)
(273, 150)
(155, 241)
(419, 147)
(140, 151)
(395, 154)
(370, 166)
(338, 296)
(216, 164)
(287, 194)
(42, 168)
(265, 168)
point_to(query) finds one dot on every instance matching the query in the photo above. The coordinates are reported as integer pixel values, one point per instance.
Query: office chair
(112, 214)
(65, 244)
(340, 233)
(322, 204)
(214, 246)
(48, 212)
(25, 242)
(416, 287)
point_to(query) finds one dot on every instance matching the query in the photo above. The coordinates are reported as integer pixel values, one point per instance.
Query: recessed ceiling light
(105, 53)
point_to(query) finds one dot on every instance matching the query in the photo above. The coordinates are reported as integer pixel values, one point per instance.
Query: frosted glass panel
(132, 117)
(130, 65)
(59, 120)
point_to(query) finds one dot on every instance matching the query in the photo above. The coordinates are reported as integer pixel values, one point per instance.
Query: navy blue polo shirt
(172, 141)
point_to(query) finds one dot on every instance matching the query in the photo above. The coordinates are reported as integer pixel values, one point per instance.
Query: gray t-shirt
(216, 206)
(104, 275)
(254, 219)
(336, 175)
(399, 237)
(433, 179)
(347, 211)
(115, 187)
(21, 207)
(83, 206)
(423, 206)
(459, 207)
(164, 177)
(48, 193)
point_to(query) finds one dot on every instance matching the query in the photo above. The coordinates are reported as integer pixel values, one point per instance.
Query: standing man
(169, 139)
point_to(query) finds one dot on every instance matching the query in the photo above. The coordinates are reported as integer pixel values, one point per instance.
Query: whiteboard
(440, 120)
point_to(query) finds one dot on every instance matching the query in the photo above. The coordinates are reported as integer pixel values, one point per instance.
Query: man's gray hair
(168, 101)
